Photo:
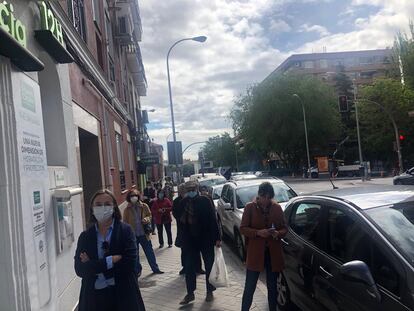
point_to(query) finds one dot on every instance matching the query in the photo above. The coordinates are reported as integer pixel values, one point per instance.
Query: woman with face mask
(161, 209)
(137, 214)
(106, 258)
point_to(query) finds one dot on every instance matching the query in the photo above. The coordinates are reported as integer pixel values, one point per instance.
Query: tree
(403, 57)
(377, 134)
(270, 119)
(221, 150)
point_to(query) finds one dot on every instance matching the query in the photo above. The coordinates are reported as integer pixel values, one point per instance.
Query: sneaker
(201, 271)
(209, 297)
(182, 271)
(169, 246)
(187, 299)
(158, 272)
(161, 246)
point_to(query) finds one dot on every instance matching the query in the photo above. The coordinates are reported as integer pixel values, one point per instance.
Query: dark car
(350, 249)
(406, 178)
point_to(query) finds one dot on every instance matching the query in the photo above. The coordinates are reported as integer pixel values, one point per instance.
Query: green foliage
(404, 50)
(377, 132)
(221, 150)
(270, 118)
(343, 83)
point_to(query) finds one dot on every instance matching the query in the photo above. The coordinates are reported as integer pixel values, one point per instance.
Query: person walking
(105, 259)
(169, 188)
(161, 209)
(263, 226)
(176, 211)
(137, 214)
(200, 233)
(149, 196)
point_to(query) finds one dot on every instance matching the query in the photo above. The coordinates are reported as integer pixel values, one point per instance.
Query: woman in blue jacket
(105, 259)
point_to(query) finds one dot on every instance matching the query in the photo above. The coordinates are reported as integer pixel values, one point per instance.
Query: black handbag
(147, 227)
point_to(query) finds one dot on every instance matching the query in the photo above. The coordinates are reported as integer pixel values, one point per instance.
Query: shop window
(121, 164)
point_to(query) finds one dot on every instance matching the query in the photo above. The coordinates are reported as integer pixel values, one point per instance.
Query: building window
(108, 33)
(121, 164)
(78, 16)
(111, 69)
(96, 13)
(131, 161)
(99, 51)
(308, 64)
(323, 63)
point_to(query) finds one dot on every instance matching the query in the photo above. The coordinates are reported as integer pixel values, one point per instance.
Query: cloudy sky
(247, 39)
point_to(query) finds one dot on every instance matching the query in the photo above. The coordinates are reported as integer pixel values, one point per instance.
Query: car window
(283, 193)
(347, 241)
(306, 220)
(224, 193)
(217, 193)
(230, 195)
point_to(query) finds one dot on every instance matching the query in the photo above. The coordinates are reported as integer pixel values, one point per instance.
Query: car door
(348, 238)
(300, 244)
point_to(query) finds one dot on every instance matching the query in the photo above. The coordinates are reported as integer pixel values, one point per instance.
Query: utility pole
(358, 134)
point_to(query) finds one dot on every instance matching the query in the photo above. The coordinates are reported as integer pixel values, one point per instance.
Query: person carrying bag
(218, 275)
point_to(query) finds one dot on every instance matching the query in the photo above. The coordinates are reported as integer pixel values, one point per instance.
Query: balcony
(136, 67)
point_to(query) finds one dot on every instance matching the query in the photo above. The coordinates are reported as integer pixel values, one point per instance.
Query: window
(348, 241)
(111, 69)
(96, 12)
(109, 37)
(224, 193)
(78, 16)
(99, 51)
(308, 64)
(120, 155)
(306, 222)
(131, 161)
(323, 63)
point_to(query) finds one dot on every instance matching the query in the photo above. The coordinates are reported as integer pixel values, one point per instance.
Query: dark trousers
(191, 264)
(198, 262)
(149, 253)
(105, 299)
(251, 282)
(161, 233)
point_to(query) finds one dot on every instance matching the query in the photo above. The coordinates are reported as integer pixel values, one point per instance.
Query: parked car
(243, 176)
(350, 249)
(235, 195)
(406, 178)
(211, 181)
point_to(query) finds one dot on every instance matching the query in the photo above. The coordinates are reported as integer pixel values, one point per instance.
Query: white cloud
(322, 31)
(279, 26)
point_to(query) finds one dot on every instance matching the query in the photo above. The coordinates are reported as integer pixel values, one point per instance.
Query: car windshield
(212, 181)
(283, 193)
(397, 223)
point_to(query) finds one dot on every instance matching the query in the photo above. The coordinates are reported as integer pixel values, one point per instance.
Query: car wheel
(283, 294)
(240, 245)
(398, 182)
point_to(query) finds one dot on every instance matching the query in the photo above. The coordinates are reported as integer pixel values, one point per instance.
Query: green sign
(12, 25)
(36, 197)
(50, 22)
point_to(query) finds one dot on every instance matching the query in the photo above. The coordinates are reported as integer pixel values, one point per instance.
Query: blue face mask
(191, 194)
(161, 196)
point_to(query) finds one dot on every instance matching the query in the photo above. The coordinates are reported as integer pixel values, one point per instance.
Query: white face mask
(134, 199)
(103, 213)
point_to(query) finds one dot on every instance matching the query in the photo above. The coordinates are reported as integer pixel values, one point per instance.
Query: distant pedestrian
(263, 225)
(149, 196)
(137, 214)
(200, 233)
(161, 209)
(105, 259)
(177, 211)
(169, 188)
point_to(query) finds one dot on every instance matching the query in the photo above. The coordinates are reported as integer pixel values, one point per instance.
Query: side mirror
(358, 272)
(228, 207)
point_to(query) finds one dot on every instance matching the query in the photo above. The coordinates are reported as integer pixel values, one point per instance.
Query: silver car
(234, 197)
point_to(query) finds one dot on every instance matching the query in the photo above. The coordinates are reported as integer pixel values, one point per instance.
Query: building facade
(71, 78)
(361, 66)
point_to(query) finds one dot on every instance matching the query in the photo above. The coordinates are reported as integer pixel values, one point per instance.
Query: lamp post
(358, 134)
(306, 129)
(168, 136)
(198, 39)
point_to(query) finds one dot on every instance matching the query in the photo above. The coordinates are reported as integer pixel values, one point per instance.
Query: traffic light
(343, 103)
(402, 137)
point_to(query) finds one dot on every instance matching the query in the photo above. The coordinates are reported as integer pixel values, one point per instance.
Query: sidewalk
(165, 291)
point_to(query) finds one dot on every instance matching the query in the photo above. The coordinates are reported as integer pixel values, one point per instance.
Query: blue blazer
(128, 295)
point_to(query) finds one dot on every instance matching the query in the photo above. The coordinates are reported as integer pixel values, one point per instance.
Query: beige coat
(130, 214)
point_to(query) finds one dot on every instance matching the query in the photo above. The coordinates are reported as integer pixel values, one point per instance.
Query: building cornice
(87, 58)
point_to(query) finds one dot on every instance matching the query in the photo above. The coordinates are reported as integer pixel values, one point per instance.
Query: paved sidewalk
(164, 292)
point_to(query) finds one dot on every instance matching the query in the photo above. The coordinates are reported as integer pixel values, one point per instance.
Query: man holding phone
(263, 225)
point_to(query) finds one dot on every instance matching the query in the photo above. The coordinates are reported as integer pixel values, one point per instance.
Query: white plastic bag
(218, 275)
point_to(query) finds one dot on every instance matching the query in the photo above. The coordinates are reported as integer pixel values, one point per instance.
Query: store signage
(50, 36)
(12, 25)
(50, 22)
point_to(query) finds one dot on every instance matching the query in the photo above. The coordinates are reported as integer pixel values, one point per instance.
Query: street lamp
(198, 39)
(306, 129)
(358, 133)
(170, 135)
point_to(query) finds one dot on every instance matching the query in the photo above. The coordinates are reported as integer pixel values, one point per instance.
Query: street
(164, 292)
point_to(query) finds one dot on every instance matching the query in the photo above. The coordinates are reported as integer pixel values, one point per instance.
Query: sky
(247, 40)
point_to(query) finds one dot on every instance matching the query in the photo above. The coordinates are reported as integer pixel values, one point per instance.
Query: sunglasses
(105, 247)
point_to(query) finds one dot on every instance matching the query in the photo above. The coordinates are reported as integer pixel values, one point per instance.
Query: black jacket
(204, 232)
(122, 243)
